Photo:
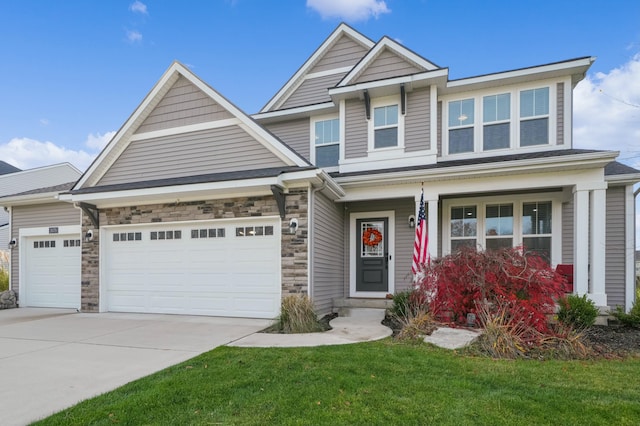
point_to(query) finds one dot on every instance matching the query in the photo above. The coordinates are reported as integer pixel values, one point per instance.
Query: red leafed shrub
(461, 282)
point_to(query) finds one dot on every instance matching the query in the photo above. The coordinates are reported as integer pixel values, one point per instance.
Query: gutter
(311, 251)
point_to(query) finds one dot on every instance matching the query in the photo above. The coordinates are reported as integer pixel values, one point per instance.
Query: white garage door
(218, 268)
(52, 271)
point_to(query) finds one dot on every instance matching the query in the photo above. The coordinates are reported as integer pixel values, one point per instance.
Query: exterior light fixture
(293, 225)
(13, 243)
(412, 221)
(88, 236)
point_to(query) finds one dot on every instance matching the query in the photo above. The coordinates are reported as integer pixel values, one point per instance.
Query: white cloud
(351, 10)
(134, 36)
(98, 141)
(607, 111)
(139, 7)
(26, 153)
(44, 122)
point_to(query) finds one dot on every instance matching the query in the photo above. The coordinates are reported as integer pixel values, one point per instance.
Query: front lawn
(368, 384)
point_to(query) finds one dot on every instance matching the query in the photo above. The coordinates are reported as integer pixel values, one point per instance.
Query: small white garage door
(51, 276)
(217, 268)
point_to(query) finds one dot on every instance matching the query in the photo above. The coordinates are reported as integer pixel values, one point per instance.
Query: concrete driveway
(51, 359)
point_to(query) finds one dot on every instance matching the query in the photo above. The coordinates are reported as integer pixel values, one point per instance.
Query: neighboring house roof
(6, 168)
(222, 113)
(48, 194)
(27, 180)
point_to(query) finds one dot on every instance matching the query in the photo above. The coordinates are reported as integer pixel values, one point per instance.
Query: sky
(73, 71)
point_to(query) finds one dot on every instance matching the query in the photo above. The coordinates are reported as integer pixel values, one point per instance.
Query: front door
(372, 255)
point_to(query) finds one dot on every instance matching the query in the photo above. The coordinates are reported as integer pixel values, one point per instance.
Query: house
(36, 215)
(195, 207)
(5, 169)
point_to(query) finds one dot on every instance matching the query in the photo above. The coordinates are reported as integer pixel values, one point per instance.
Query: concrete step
(362, 303)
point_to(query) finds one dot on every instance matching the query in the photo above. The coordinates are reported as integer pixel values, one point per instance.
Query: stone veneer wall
(294, 247)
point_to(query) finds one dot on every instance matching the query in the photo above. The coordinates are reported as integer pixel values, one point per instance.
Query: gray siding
(208, 151)
(36, 216)
(344, 53)
(615, 246)
(560, 114)
(567, 232)
(184, 104)
(404, 237)
(387, 65)
(356, 130)
(312, 91)
(417, 122)
(328, 253)
(295, 133)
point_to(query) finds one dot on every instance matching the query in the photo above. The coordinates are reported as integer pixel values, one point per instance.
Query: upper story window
(461, 120)
(385, 126)
(326, 142)
(488, 122)
(496, 116)
(534, 117)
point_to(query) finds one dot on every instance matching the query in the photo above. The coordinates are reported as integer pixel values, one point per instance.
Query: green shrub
(408, 303)
(630, 319)
(4, 280)
(297, 316)
(577, 311)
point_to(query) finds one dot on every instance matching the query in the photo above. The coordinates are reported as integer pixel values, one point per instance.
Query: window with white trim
(496, 125)
(326, 142)
(464, 221)
(461, 129)
(534, 117)
(503, 222)
(498, 225)
(536, 228)
(385, 126)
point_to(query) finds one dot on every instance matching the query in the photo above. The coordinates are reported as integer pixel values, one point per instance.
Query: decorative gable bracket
(92, 212)
(278, 194)
(367, 102)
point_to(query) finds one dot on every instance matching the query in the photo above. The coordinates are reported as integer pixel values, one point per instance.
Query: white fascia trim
(632, 178)
(525, 165)
(630, 228)
(292, 112)
(373, 54)
(428, 75)
(522, 72)
(41, 198)
(186, 129)
(342, 29)
(418, 158)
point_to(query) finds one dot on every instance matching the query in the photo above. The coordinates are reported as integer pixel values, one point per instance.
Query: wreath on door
(371, 237)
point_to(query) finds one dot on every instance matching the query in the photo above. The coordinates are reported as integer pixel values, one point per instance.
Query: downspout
(310, 233)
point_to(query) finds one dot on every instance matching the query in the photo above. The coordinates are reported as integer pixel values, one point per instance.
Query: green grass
(377, 383)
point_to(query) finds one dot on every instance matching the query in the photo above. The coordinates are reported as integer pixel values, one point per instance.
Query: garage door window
(165, 235)
(207, 233)
(71, 243)
(127, 236)
(254, 231)
(44, 244)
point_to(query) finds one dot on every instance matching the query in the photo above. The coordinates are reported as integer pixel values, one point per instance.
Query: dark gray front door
(372, 255)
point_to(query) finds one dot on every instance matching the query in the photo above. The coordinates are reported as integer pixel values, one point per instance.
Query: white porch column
(580, 241)
(432, 228)
(598, 213)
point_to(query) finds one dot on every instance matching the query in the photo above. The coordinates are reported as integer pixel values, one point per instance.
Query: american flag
(420, 255)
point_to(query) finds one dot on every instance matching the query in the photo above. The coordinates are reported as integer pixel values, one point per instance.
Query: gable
(388, 64)
(163, 138)
(335, 57)
(184, 104)
(346, 52)
(218, 150)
